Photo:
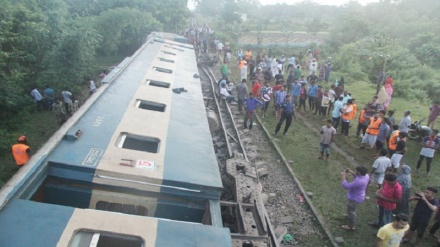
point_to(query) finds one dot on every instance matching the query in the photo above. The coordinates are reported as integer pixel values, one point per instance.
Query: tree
(316, 25)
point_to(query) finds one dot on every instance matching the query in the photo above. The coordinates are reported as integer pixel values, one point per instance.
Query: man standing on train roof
(287, 112)
(251, 105)
(21, 151)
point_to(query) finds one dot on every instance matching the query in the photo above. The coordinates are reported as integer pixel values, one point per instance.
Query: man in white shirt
(405, 123)
(429, 145)
(380, 166)
(313, 67)
(67, 99)
(225, 94)
(291, 61)
(37, 97)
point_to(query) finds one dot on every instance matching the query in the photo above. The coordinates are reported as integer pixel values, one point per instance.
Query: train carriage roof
(140, 130)
(26, 223)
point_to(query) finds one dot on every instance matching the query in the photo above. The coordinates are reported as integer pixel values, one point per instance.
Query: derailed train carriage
(135, 166)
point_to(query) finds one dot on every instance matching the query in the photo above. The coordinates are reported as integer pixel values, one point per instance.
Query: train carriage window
(174, 48)
(140, 143)
(163, 70)
(149, 105)
(168, 53)
(104, 239)
(158, 83)
(166, 60)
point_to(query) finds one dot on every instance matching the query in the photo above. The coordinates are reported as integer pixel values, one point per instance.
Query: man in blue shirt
(336, 114)
(311, 93)
(287, 112)
(280, 96)
(50, 97)
(251, 105)
(296, 90)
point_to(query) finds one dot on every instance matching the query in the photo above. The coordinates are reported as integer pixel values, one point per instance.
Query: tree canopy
(58, 43)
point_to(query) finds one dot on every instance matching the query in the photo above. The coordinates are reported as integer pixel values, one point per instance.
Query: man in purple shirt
(355, 193)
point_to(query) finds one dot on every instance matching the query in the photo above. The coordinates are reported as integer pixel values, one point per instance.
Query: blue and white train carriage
(135, 166)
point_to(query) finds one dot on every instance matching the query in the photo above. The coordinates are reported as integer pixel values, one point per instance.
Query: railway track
(248, 160)
(231, 134)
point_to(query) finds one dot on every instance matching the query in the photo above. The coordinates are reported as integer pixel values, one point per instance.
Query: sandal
(347, 227)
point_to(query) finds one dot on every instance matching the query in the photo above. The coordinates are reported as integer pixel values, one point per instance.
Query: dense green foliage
(57, 43)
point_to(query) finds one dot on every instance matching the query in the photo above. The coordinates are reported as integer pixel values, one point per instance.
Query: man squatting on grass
(355, 193)
(327, 137)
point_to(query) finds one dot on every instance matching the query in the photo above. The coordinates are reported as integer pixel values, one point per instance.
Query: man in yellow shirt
(391, 234)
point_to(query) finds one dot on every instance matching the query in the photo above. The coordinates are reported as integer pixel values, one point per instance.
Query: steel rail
(213, 80)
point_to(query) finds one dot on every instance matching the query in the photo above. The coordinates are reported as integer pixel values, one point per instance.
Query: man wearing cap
(20, 151)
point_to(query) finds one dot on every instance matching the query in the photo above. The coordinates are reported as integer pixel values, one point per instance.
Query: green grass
(38, 129)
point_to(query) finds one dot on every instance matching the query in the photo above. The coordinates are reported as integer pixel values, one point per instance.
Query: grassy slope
(38, 129)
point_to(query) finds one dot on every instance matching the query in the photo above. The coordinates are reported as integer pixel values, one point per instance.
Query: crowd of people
(63, 104)
(333, 103)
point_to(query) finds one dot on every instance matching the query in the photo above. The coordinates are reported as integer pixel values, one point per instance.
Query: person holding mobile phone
(426, 204)
(355, 192)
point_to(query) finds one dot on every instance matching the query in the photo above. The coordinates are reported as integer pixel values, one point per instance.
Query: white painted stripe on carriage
(146, 183)
(136, 121)
(101, 221)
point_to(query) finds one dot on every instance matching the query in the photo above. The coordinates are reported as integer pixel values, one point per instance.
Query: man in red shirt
(256, 89)
(387, 199)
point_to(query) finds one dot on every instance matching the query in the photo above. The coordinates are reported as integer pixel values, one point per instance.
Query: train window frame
(91, 238)
(175, 48)
(163, 70)
(165, 60)
(150, 105)
(156, 83)
(138, 139)
(168, 53)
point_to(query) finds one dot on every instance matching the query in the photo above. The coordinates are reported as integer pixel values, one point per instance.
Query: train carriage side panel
(24, 223)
